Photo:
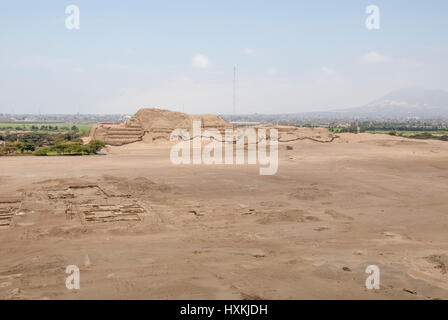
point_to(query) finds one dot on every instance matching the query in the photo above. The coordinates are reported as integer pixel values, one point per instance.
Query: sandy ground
(225, 232)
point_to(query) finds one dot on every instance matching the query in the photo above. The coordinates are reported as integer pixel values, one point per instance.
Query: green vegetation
(353, 128)
(39, 139)
(70, 148)
(406, 126)
(84, 129)
(427, 135)
(406, 130)
(46, 143)
(17, 147)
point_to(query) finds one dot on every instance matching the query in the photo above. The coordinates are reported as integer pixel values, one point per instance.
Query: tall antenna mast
(234, 93)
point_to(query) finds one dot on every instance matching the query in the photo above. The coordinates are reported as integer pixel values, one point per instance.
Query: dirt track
(225, 232)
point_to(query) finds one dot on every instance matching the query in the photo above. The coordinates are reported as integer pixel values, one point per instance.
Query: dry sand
(161, 231)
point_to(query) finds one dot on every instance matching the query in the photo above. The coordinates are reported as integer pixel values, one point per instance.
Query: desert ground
(140, 227)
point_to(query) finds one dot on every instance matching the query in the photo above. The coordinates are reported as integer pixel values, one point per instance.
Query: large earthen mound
(152, 125)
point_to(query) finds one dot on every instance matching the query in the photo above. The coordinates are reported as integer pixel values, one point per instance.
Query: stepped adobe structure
(117, 135)
(152, 124)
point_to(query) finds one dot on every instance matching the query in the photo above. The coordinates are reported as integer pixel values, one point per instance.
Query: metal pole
(234, 93)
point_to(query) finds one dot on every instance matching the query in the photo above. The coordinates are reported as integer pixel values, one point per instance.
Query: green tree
(95, 146)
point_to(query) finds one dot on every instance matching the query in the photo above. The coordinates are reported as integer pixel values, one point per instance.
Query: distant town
(62, 118)
(298, 120)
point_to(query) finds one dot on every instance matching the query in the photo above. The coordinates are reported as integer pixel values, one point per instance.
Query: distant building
(244, 123)
(125, 117)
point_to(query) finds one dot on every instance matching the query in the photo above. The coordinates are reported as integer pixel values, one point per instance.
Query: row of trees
(391, 127)
(42, 128)
(71, 148)
(42, 143)
(16, 147)
(39, 139)
(427, 135)
(402, 126)
(60, 148)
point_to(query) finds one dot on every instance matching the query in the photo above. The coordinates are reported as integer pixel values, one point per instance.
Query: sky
(290, 56)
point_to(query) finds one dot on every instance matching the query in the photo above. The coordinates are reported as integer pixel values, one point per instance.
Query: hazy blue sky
(291, 56)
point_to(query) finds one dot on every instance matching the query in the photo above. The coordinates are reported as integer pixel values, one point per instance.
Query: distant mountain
(404, 103)
(399, 104)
